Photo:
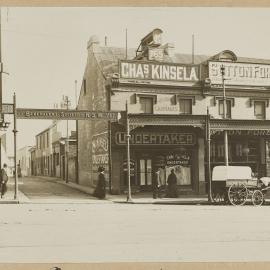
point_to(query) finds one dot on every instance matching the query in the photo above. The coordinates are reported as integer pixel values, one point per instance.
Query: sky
(44, 50)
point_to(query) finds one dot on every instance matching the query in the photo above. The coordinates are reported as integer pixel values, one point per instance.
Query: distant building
(7, 151)
(50, 151)
(24, 160)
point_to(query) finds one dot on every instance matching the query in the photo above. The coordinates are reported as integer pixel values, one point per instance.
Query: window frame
(190, 100)
(228, 102)
(262, 102)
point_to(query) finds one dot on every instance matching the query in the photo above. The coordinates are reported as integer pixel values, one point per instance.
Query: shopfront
(160, 147)
(248, 145)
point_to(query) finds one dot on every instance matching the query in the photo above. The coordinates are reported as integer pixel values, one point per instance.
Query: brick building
(167, 95)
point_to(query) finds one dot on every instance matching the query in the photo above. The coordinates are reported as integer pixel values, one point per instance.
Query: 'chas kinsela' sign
(157, 73)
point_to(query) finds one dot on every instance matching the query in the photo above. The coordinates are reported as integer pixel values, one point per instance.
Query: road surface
(113, 232)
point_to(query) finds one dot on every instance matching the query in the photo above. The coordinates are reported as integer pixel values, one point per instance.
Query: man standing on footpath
(4, 179)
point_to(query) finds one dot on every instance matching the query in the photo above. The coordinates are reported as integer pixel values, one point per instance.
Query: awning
(239, 124)
(136, 120)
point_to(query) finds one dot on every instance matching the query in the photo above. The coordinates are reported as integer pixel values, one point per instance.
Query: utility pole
(129, 198)
(66, 104)
(15, 147)
(226, 158)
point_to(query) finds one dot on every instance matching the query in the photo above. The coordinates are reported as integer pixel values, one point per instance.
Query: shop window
(146, 104)
(228, 108)
(185, 106)
(259, 109)
(145, 172)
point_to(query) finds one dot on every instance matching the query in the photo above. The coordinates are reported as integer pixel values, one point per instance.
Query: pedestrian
(100, 191)
(172, 191)
(4, 179)
(19, 171)
(156, 184)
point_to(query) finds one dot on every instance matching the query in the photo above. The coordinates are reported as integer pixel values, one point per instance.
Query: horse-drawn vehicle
(235, 184)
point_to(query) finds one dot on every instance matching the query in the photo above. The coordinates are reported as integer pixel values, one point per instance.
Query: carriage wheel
(237, 194)
(257, 198)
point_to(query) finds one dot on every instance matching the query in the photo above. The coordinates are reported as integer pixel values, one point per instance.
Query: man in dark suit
(4, 179)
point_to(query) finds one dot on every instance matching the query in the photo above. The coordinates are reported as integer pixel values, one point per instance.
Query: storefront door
(145, 172)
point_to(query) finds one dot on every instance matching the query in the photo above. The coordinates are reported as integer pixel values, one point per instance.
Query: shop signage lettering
(153, 71)
(100, 143)
(132, 167)
(151, 138)
(100, 159)
(65, 114)
(240, 73)
(246, 132)
(177, 159)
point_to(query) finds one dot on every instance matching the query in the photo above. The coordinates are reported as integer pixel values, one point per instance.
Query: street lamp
(226, 159)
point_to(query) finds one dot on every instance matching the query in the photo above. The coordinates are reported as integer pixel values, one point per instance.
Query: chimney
(93, 43)
(169, 49)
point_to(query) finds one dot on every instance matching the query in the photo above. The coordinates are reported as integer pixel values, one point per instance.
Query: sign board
(157, 73)
(256, 132)
(240, 73)
(155, 138)
(7, 108)
(65, 114)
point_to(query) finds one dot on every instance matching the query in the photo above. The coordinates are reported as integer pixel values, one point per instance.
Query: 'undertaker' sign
(153, 71)
(153, 138)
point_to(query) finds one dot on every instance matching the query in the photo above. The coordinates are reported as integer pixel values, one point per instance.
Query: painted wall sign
(155, 138)
(240, 73)
(245, 132)
(156, 72)
(65, 114)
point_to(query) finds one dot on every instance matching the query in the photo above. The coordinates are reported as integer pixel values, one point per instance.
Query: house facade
(173, 101)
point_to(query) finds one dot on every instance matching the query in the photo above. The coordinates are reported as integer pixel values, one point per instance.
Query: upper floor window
(146, 104)
(185, 106)
(259, 109)
(84, 86)
(228, 108)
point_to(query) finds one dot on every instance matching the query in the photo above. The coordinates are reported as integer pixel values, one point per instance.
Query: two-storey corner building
(167, 96)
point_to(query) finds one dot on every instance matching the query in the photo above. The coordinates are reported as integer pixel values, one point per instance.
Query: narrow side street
(46, 188)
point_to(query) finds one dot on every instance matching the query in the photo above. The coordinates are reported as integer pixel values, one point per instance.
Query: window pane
(185, 106)
(149, 171)
(142, 171)
(259, 109)
(228, 108)
(146, 104)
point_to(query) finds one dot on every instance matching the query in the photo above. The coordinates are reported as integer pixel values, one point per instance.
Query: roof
(108, 58)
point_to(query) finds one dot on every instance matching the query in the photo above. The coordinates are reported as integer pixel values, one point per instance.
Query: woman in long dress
(100, 191)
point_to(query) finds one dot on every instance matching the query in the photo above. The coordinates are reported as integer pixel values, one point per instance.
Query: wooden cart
(235, 184)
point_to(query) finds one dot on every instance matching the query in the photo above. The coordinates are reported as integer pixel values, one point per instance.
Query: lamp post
(129, 199)
(226, 159)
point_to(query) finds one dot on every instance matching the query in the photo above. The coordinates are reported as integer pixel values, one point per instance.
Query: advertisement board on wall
(157, 73)
(240, 73)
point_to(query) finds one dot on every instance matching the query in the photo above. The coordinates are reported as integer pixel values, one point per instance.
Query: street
(46, 188)
(111, 232)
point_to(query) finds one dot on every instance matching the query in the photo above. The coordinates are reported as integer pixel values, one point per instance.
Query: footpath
(141, 198)
(137, 198)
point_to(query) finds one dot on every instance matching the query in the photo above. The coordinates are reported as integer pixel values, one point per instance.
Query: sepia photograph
(135, 135)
